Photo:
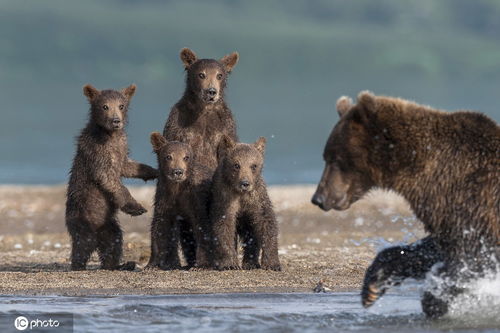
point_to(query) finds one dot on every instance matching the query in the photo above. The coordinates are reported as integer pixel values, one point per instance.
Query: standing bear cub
(95, 191)
(181, 207)
(241, 207)
(201, 117)
(447, 165)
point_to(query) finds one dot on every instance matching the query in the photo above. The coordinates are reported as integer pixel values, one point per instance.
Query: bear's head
(206, 78)
(108, 108)
(350, 170)
(173, 158)
(242, 163)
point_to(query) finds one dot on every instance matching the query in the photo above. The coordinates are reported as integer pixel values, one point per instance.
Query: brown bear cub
(95, 191)
(181, 207)
(241, 207)
(201, 117)
(447, 165)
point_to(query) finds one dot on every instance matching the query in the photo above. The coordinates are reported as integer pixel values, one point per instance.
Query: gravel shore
(335, 247)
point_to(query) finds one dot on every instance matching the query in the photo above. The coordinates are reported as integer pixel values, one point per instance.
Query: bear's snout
(211, 95)
(318, 200)
(245, 185)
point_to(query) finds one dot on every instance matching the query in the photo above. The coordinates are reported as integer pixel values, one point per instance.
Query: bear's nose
(178, 172)
(116, 121)
(318, 199)
(244, 184)
(212, 91)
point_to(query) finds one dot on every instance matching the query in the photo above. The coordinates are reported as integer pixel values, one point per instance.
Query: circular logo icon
(21, 323)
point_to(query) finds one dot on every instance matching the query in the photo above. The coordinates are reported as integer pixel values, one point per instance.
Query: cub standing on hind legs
(181, 207)
(201, 117)
(241, 207)
(95, 191)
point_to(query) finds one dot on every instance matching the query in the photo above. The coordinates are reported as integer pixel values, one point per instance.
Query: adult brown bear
(447, 165)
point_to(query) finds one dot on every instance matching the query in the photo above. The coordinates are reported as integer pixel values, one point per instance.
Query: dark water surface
(301, 312)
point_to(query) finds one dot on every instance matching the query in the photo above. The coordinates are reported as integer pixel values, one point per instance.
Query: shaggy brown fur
(95, 191)
(447, 165)
(201, 117)
(181, 207)
(242, 207)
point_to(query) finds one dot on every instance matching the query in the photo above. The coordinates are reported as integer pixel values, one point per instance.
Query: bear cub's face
(173, 157)
(347, 174)
(242, 163)
(109, 107)
(206, 78)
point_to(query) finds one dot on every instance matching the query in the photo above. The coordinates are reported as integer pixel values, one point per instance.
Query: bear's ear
(90, 92)
(157, 141)
(367, 99)
(188, 57)
(260, 144)
(129, 91)
(229, 61)
(226, 144)
(344, 104)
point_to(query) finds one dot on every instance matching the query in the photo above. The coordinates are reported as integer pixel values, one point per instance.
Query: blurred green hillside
(297, 57)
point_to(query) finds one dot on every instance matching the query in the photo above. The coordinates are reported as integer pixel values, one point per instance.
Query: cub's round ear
(188, 57)
(367, 99)
(90, 92)
(229, 61)
(157, 141)
(129, 91)
(260, 144)
(344, 104)
(226, 144)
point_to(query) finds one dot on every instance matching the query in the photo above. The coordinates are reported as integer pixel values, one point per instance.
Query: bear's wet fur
(241, 207)
(180, 209)
(201, 117)
(95, 191)
(447, 165)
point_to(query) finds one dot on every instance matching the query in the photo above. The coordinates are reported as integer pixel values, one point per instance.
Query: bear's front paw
(134, 209)
(370, 293)
(375, 284)
(150, 175)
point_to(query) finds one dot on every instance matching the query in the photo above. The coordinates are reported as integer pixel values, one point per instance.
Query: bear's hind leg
(393, 265)
(83, 243)
(188, 242)
(109, 246)
(164, 243)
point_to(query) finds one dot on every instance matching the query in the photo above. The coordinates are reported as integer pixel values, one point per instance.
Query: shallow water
(298, 312)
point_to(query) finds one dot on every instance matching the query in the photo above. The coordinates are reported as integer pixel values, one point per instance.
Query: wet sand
(335, 247)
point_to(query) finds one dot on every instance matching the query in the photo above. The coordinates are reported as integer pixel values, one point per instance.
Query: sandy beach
(335, 247)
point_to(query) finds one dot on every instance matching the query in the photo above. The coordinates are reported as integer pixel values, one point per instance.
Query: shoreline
(335, 247)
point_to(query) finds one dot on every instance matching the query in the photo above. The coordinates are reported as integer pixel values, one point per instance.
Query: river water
(398, 311)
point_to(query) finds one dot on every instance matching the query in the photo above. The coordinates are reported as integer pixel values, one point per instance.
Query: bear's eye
(219, 76)
(105, 107)
(253, 167)
(169, 157)
(121, 107)
(202, 75)
(186, 158)
(236, 166)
